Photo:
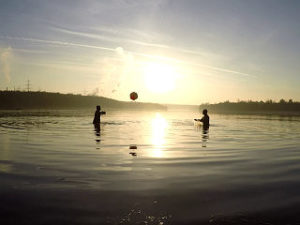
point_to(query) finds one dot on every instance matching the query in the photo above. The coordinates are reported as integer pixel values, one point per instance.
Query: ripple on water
(242, 161)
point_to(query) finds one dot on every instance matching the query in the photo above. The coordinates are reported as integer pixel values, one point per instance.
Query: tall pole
(28, 85)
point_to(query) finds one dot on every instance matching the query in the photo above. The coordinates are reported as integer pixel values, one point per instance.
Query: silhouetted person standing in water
(205, 119)
(98, 113)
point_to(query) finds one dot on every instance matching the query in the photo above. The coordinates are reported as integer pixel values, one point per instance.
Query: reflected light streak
(159, 125)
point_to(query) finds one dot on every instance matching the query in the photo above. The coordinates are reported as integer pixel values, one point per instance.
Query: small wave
(112, 123)
(23, 124)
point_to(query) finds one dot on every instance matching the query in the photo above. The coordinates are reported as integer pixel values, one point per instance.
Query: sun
(160, 78)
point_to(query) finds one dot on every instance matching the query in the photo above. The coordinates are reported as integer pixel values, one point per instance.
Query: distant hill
(48, 100)
(281, 107)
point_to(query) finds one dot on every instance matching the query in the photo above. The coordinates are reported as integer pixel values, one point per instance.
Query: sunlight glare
(159, 125)
(160, 78)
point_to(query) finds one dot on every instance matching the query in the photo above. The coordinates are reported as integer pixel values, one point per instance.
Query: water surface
(244, 165)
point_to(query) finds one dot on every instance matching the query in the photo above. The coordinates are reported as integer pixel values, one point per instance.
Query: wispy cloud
(151, 56)
(178, 61)
(53, 42)
(112, 38)
(118, 36)
(5, 61)
(30, 51)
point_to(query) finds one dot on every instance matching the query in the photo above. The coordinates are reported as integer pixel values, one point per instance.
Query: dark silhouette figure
(98, 134)
(205, 137)
(98, 113)
(97, 129)
(96, 123)
(205, 120)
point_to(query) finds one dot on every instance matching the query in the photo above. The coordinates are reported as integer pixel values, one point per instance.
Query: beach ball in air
(133, 96)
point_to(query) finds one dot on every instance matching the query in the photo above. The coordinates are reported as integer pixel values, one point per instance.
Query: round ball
(133, 96)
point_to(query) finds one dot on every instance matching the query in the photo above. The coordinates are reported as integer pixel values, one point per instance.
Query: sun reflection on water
(159, 125)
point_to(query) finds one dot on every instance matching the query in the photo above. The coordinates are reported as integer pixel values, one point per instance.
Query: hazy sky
(169, 51)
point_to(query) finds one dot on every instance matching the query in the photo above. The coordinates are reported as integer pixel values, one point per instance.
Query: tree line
(253, 106)
(49, 100)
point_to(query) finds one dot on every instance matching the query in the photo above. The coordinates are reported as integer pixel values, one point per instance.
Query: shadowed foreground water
(55, 168)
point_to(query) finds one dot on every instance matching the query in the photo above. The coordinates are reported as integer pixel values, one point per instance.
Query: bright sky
(169, 51)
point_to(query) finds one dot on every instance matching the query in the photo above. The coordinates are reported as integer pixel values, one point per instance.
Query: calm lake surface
(55, 168)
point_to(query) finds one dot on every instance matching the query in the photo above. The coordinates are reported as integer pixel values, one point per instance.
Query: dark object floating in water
(133, 153)
(132, 147)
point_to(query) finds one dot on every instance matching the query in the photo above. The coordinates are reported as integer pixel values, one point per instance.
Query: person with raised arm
(98, 114)
(204, 119)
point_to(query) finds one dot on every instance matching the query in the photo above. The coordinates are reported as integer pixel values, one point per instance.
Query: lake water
(55, 168)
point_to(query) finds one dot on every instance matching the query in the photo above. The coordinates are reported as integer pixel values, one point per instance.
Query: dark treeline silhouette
(48, 100)
(268, 106)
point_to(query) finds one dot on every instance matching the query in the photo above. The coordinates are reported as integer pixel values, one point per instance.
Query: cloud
(129, 55)
(5, 61)
(57, 43)
(94, 92)
(113, 34)
(117, 73)
(116, 36)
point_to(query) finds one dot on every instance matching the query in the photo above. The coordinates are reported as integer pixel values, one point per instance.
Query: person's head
(204, 111)
(98, 107)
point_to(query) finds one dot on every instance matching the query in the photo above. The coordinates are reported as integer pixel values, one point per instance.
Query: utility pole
(28, 85)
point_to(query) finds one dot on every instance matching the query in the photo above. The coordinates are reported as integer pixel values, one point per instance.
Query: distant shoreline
(288, 108)
(21, 100)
